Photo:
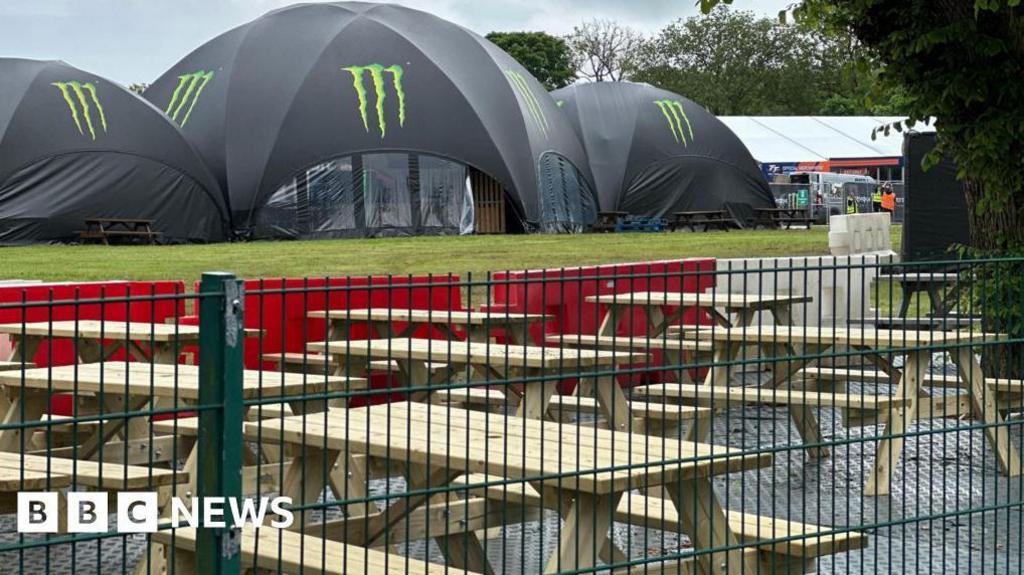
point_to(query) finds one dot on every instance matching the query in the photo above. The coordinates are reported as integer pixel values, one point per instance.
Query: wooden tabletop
(870, 338)
(461, 352)
(920, 277)
(467, 317)
(110, 330)
(715, 299)
(478, 442)
(162, 380)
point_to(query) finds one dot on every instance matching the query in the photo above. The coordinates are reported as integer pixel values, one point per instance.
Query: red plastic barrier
(561, 293)
(61, 351)
(285, 327)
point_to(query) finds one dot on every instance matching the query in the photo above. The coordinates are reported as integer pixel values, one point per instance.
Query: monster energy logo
(186, 94)
(523, 89)
(377, 72)
(676, 116)
(78, 98)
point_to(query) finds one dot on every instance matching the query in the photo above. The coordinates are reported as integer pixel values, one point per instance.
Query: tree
(546, 57)
(603, 50)
(736, 63)
(960, 62)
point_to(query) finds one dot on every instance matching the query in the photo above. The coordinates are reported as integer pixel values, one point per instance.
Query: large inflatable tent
(359, 119)
(653, 152)
(74, 146)
(935, 207)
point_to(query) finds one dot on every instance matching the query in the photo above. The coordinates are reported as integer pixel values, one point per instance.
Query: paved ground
(923, 527)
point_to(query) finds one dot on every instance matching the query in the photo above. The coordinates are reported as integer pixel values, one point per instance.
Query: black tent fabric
(75, 146)
(653, 152)
(935, 208)
(361, 119)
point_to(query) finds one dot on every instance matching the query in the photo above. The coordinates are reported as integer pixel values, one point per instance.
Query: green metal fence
(781, 416)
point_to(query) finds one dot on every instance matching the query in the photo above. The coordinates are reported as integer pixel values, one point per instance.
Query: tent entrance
(488, 203)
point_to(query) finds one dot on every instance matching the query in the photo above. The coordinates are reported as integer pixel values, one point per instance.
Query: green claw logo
(676, 116)
(377, 72)
(186, 94)
(518, 83)
(77, 95)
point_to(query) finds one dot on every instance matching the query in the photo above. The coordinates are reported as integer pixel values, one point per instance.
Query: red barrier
(561, 293)
(61, 351)
(282, 315)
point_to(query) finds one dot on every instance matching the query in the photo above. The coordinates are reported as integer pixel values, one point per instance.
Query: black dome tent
(359, 119)
(75, 146)
(653, 152)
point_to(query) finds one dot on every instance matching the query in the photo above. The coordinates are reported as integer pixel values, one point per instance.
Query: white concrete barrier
(860, 234)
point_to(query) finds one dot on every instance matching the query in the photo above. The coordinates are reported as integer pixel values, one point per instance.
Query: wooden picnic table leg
(306, 476)
(612, 402)
(584, 533)
(703, 519)
(907, 290)
(24, 348)
(416, 375)
(112, 403)
(610, 323)
(804, 420)
(938, 301)
(900, 419)
(536, 396)
(985, 407)
(30, 401)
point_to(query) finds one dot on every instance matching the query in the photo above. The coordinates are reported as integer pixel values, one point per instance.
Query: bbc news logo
(139, 512)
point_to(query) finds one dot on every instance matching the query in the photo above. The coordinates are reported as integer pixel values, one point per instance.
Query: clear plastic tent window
(372, 195)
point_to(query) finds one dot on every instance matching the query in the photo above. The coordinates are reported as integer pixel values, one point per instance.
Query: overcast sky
(136, 40)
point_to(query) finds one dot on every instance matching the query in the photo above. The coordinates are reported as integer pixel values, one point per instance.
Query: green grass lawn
(419, 255)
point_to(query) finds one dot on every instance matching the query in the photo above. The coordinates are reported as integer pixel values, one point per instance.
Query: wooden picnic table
(478, 325)
(127, 387)
(104, 229)
(777, 217)
(911, 399)
(707, 218)
(496, 363)
(435, 445)
(936, 285)
(607, 221)
(746, 306)
(97, 340)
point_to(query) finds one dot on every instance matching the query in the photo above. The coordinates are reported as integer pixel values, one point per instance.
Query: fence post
(221, 339)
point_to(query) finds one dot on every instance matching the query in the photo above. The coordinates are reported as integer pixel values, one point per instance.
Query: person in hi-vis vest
(876, 200)
(888, 198)
(851, 203)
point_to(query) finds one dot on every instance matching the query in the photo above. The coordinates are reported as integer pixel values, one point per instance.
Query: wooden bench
(722, 396)
(105, 229)
(281, 551)
(838, 374)
(12, 365)
(783, 217)
(709, 219)
(293, 362)
(629, 343)
(654, 417)
(796, 555)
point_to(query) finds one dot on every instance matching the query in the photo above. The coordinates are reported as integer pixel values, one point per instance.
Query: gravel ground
(923, 527)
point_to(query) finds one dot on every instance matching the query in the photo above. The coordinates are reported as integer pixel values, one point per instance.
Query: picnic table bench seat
(493, 398)
(804, 542)
(293, 361)
(12, 365)
(722, 396)
(629, 343)
(997, 384)
(282, 551)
